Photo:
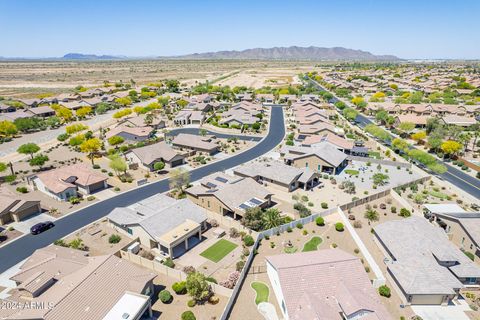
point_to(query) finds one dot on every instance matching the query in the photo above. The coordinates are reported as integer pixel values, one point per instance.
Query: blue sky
(408, 29)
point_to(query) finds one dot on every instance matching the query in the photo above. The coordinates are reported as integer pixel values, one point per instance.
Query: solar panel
(244, 206)
(223, 180)
(211, 185)
(256, 201)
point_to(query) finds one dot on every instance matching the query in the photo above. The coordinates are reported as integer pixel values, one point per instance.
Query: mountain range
(289, 53)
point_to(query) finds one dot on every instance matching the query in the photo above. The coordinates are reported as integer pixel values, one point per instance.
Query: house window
(471, 280)
(208, 203)
(306, 164)
(130, 231)
(319, 168)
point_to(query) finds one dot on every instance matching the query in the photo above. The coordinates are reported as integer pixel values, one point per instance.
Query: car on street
(41, 227)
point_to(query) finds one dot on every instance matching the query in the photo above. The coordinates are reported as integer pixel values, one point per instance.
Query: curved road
(20, 249)
(466, 182)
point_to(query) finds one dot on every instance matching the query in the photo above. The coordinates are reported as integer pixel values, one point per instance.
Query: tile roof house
(186, 116)
(161, 222)
(340, 143)
(321, 157)
(196, 143)
(278, 174)
(67, 284)
(15, 209)
(419, 121)
(459, 120)
(142, 120)
(423, 263)
(130, 133)
(43, 111)
(462, 227)
(238, 117)
(325, 284)
(66, 182)
(147, 156)
(227, 195)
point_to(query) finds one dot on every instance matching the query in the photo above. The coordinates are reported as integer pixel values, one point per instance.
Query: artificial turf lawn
(312, 244)
(219, 250)
(262, 292)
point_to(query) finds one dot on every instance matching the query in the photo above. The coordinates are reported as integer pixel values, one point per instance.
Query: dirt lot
(30, 78)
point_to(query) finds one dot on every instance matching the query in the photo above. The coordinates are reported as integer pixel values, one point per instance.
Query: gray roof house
(423, 263)
(321, 157)
(227, 195)
(161, 223)
(196, 143)
(147, 156)
(279, 174)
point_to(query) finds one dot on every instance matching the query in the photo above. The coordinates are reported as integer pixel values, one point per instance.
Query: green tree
(406, 126)
(451, 147)
(76, 127)
(179, 178)
(114, 140)
(253, 218)
(198, 287)
(380, 179)
(158, 166)
(400, 144)
(28, 148)
(83, 112)
(419, 136)
(118, 164)
(38, 161)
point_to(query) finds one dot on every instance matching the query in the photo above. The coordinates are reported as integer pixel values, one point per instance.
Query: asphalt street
(20, 249)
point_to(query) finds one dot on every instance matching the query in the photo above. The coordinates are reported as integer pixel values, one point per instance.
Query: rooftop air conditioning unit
(134, 248)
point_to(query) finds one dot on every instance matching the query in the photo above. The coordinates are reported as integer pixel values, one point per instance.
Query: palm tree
(371, 215)
(271, 218)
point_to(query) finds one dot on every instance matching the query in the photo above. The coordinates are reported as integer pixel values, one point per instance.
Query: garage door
(427, 299)
(96, 186)
(21, 215)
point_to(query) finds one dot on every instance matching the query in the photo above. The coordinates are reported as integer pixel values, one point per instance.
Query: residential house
(425, 266)
(64, 283)
(461, 121)
(131, 133)
(43, 111)
(227, 195)
(278, 174)
(162, 223)
(322, 157)
(151, 120)
(462, 227)
(419, 121)
(68, 181)
(267, 98)
(4, 108)
(147, 156)
(14, 209)
(238, 117)
(325, 284)
(244, 97)
(185, 117)
(305, 131)
(196, 143)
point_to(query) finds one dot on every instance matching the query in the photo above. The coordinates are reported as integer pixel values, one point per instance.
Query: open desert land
(29, 79)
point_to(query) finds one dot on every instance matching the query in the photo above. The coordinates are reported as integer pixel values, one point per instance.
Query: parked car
(41, 227)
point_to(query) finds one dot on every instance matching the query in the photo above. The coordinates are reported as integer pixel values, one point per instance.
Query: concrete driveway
(450, 312)
(25, 225)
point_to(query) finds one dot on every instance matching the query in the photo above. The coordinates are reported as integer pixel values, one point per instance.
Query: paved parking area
(25, 225)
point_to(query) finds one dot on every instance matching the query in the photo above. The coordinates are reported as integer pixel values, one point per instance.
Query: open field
(31, 78)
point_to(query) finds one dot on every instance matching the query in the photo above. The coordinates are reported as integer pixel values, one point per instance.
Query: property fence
(380, 161)
(176, 274)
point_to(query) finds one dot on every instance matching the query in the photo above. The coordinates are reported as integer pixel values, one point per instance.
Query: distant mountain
(81, 56)
(290, 53)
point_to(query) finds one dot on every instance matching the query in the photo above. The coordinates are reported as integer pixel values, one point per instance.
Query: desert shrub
(393, 209)
(470, 255)
(188, 315)
(213, 223)
(231, 280)
(289, 229)
(114, 238)
(179, 287)
(214, 299)
(320, 221)
(299, 226)
(189, 269)
(248, 240)
(339, 226)
(384, 291)
(22, 189)
(324, 205)
(165, 296)
(91, 198)
(169, 263)
(239, 266)
(233, 233)
(357, 224)
(191, 303)
(405, 213)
